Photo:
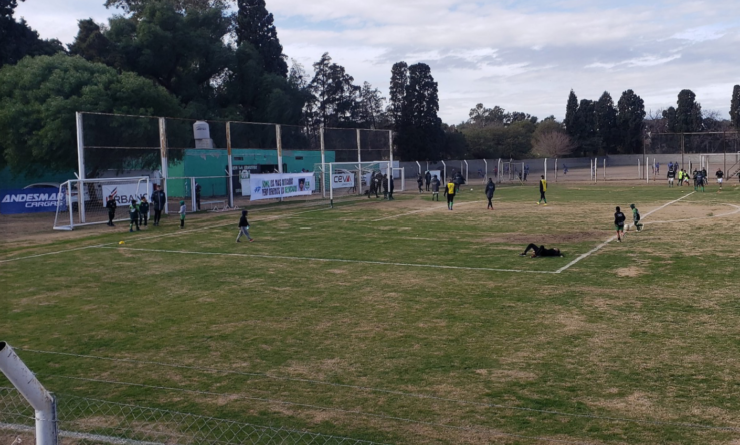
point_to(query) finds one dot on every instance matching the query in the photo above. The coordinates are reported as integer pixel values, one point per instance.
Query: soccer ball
(121, 242)
(471, 190)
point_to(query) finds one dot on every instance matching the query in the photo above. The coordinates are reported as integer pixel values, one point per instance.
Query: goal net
(349, 178)
(83, 202)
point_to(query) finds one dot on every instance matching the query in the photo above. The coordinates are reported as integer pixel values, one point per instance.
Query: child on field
(111, 205)
(636, 218)
(133, 211)
(619, 223)
(143, 211)
(244, 228)
(182, 214)
(435, 188)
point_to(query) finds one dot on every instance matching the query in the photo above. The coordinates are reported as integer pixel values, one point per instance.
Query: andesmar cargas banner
(280, 185)
(29, 200)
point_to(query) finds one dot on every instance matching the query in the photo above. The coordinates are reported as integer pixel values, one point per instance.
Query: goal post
(83, 202)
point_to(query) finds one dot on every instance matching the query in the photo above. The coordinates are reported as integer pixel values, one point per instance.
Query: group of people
(139, 210)
(619, 219)
(701, 178)
(380, 181)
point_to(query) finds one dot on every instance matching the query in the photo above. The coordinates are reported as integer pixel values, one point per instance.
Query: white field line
(430, 209)
(668, 221)
(328, 260)
(600, 246)
(144, 238)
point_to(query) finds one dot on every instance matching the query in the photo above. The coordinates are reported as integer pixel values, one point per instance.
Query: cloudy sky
(522, 55)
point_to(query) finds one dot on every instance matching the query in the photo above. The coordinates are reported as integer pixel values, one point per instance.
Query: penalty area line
(601, 246)
(327, 260)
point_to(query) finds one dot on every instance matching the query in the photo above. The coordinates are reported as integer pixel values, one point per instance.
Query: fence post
(331, 188)
(81, 166)
(467, 171)
(545, 169)
(604, 169)
(390, 163)
(359, 163)
(486, 176)
(639, 169)
(40, 399)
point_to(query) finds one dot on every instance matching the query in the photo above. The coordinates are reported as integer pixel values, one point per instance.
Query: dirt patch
(631, 271)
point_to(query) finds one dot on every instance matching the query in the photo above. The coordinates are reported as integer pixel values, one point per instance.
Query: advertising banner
(280, 185)
(343, 180)
(29, 200)
(124, 193)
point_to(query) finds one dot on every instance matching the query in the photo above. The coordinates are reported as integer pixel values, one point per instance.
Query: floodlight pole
(323, 163)
(33, 391)
(165, 161)
(231, 165)
(81, 167)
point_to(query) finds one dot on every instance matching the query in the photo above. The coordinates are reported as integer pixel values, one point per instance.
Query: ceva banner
(343, 180)
(280, 185)
(124, 193)
(29, 200)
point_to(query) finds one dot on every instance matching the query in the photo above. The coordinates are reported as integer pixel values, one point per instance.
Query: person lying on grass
(541, 251)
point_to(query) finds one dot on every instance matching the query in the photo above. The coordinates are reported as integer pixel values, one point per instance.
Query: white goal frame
(83, 200)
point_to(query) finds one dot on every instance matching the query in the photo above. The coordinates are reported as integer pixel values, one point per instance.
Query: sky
(522, 55)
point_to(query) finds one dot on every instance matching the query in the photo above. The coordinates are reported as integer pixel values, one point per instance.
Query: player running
(619, 223)
(636, 218)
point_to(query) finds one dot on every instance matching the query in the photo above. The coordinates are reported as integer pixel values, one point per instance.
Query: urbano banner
(280, 185)
(343, 180)
(29, 200)
(124, 193)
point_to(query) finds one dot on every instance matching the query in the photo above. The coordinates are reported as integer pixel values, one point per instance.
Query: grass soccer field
(401, 321)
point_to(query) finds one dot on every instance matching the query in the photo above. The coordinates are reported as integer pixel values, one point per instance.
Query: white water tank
(201, 130)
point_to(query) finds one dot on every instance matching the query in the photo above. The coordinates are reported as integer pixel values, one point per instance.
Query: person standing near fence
(391, 186)
(159, 200)
(490, 188)
(435, 188)
(111, 205)
(450, 193)
(420, 183)
(197, 195)
(143, 211)
(671, 177)
(428, 178)
(244, 228)
(543, 189)
(133, 213)
(182, 211)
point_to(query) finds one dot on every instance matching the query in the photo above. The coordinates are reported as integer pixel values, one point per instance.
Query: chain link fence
(86, 420)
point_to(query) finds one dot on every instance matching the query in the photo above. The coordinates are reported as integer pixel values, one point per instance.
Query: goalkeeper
(541, 251)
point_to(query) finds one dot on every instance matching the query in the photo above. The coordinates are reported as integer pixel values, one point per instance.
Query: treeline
(198, 59)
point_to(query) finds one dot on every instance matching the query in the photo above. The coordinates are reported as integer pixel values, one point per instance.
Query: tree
(735, 107)
(630, 117)
(585, 128)
(183, 51)
(38, 100)
(370, 112)
(93, 45)
(334, 95)
(420, 135)
(606, 123)
(671, 122)
(397, 90)
(254, 24)
(136, 6)
(18, 39)
(688, 113)
(570, 114)
(553, 144)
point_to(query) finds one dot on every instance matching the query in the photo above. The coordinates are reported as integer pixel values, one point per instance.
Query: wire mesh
(100, 421)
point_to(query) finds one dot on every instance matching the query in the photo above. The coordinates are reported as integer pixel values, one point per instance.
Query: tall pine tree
(254, 24)
(420, 135)
(606, 122)
(397, 90)
(688, 112)
(735, 107)
(631, 114)
(570, 115)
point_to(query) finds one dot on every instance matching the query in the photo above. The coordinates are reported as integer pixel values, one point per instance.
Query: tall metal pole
(81, 166)
(390, 163)
(359, 162)
(230, 176)
(323, 163)
(485, 178)
(279, 144)
(163, 157)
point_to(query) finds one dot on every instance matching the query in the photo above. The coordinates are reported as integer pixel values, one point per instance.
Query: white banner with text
(280, 185)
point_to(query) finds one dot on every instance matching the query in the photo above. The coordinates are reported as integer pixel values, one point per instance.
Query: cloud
(523, 55)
